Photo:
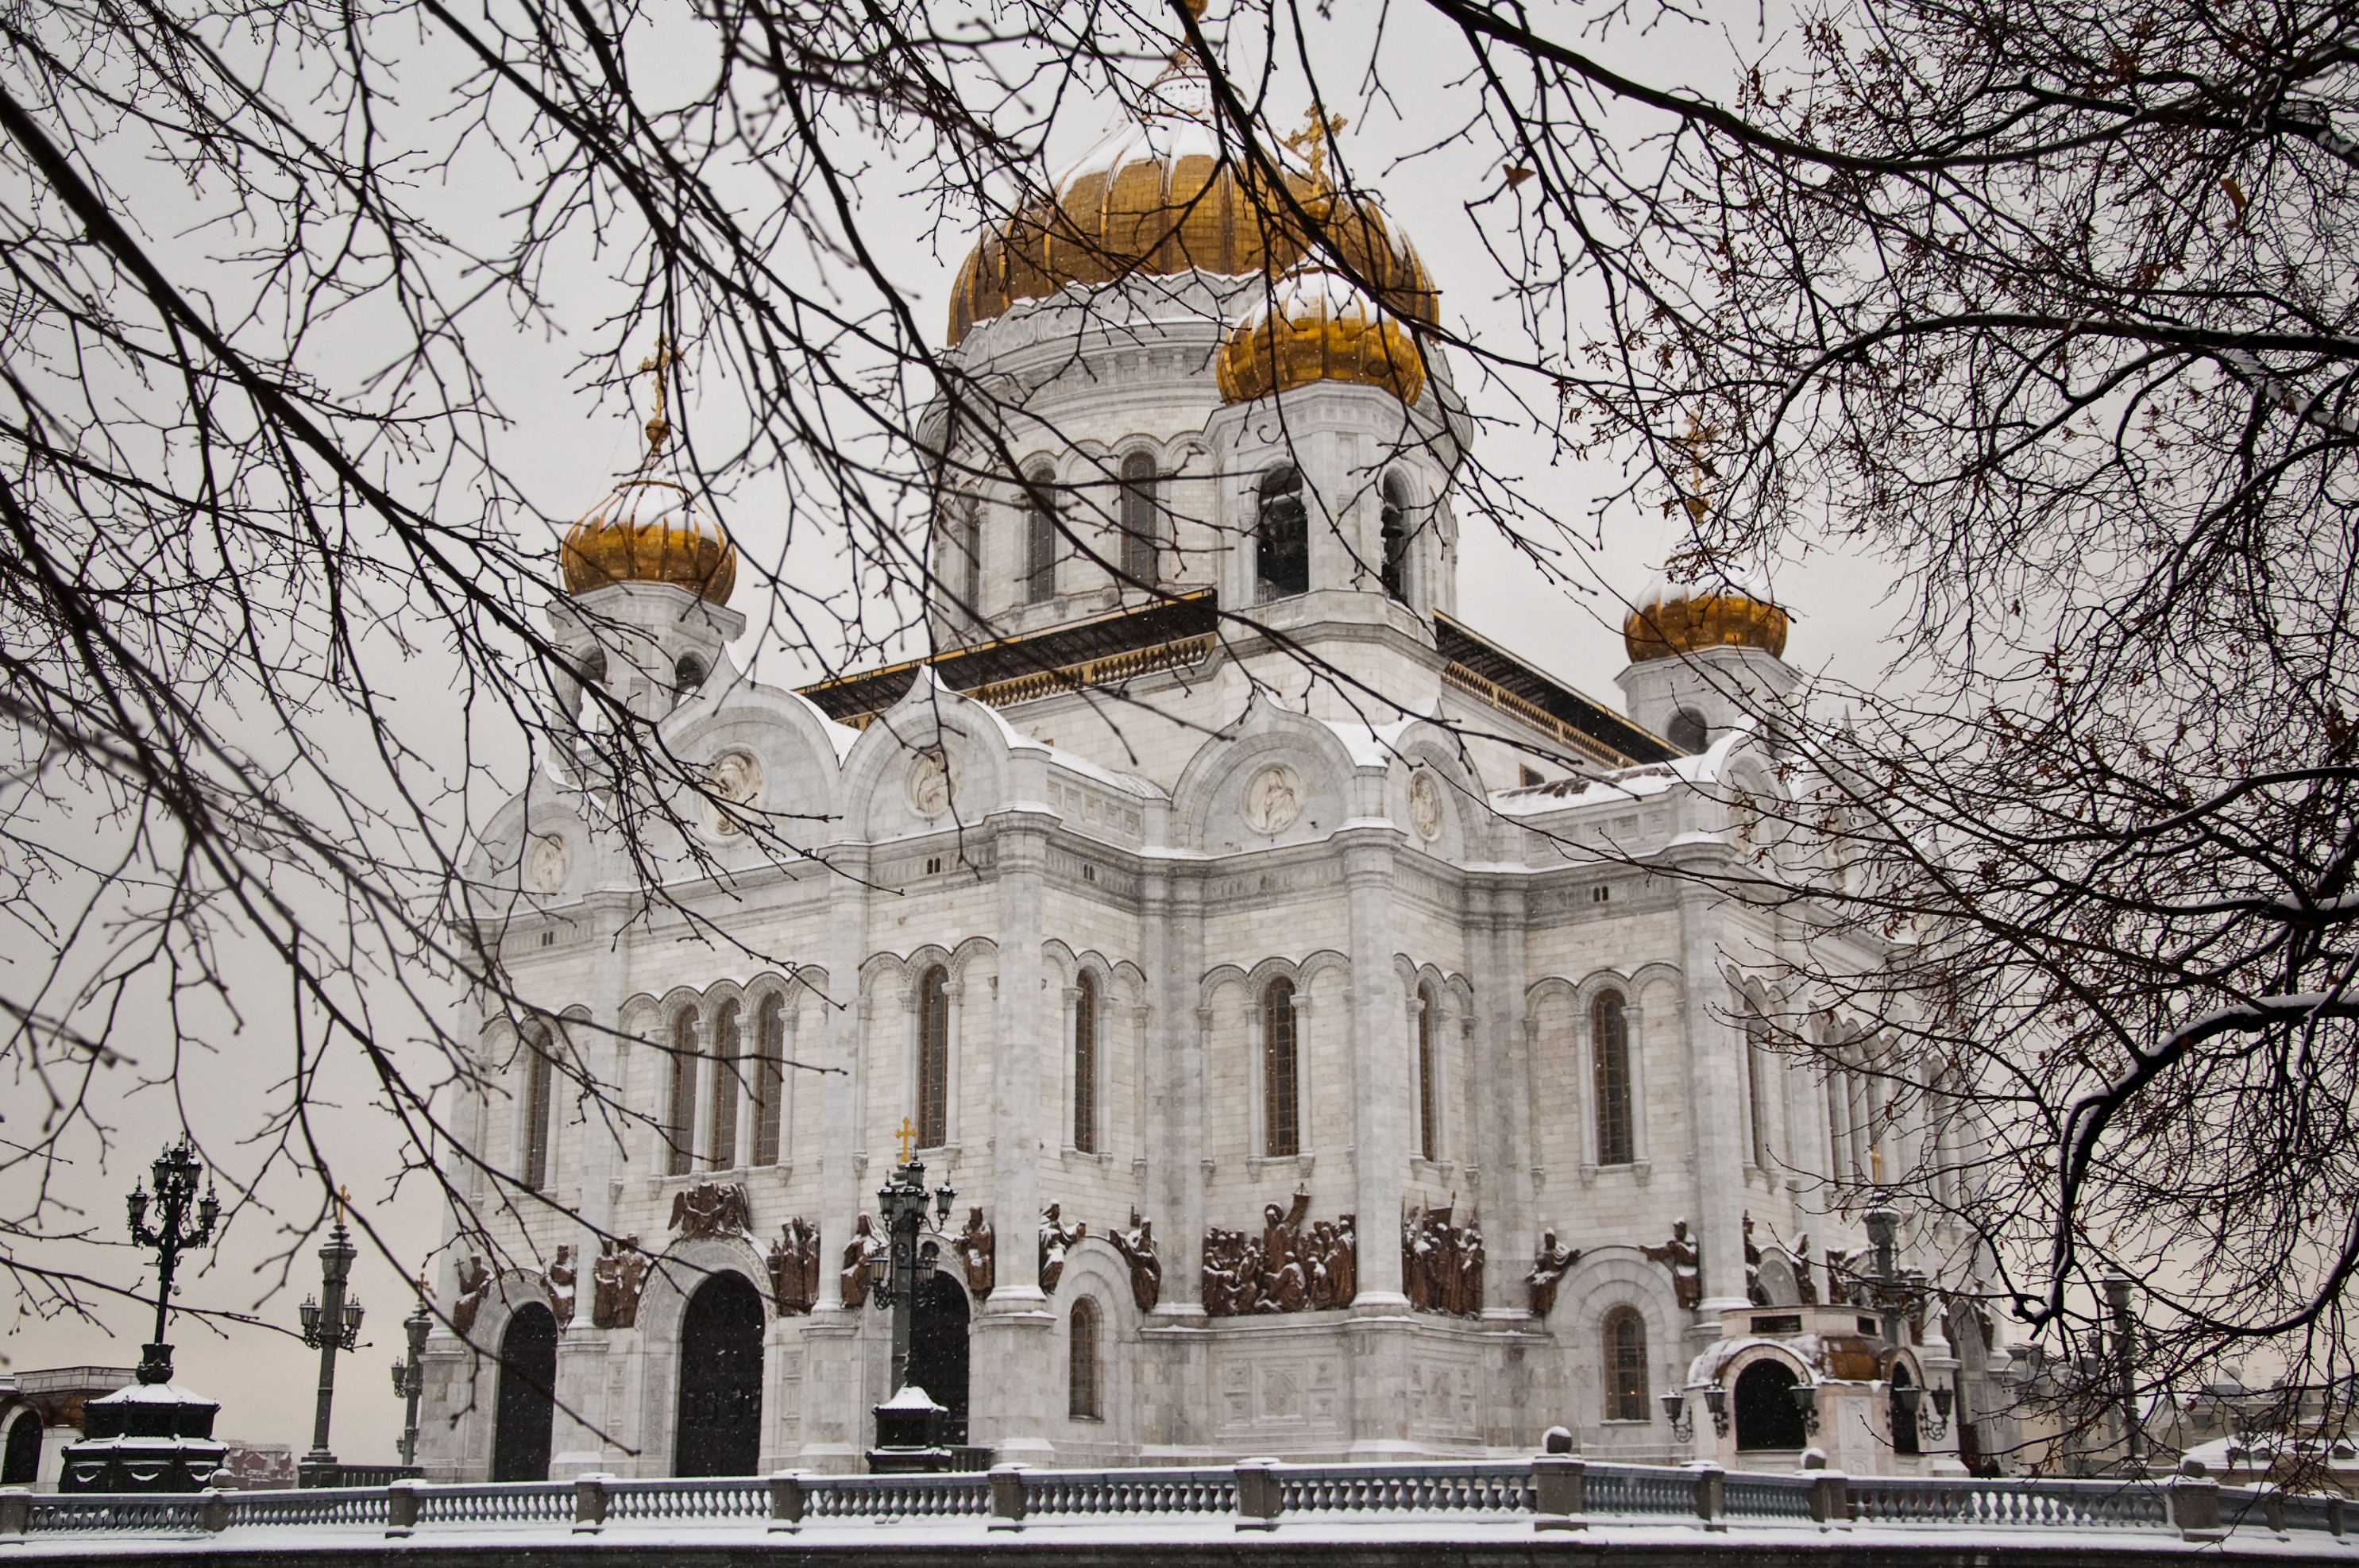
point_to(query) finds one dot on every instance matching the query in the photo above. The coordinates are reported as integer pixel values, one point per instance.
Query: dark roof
(1586, 714)
(1008, 658)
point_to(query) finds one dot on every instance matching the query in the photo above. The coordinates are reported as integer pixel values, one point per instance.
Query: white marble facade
(1155, 845)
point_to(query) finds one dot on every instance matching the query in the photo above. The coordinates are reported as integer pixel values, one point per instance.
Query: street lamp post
(157, 1437)
(410, 1376)
(2117, 1288)
(899, 1270)
(174, 1175)
(331, 1323)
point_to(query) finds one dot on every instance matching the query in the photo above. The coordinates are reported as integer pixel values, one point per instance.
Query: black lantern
(1675, 1406)
(1715, 1399)
(1806, 1399)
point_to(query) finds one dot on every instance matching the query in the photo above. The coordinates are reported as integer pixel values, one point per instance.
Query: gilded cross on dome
(658, 363)
(1316, 136)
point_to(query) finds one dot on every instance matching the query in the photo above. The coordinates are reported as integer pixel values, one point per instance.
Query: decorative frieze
(1287, 1269)
(1441, 1263)
(794, 1268)
(1549, 1269)
(616, 1281)
(1137, 1245)
(1680, 1256)
(711, 1208)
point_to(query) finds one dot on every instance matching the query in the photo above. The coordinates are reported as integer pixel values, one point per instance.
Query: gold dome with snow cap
(1670, 619)
(1316, 326)
(1167, 195)
(648, 528)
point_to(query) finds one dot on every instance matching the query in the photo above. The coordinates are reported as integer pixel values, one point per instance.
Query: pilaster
(1716, 1149)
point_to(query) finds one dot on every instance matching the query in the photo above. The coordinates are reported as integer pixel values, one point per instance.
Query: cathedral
(1320, 1022)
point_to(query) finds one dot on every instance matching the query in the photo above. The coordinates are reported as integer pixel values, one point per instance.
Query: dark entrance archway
(527, 1378)
(720, 1429)
(22, 1467)
(1767, 1415)
(938, 1353)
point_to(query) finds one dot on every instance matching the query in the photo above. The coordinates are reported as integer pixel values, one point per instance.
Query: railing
(1547, 1492)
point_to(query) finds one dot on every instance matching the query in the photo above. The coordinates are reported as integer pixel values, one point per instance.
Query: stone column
(1011, 1402)
(577, 1449)
(835, 1420)
(1717, 1151)
(1498, 1100)
(1380, 1067)
(1180, 1033)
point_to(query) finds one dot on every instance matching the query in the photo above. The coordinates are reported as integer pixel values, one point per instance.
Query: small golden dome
(647, 530)
(1162, 196)
(1315, 326)
(1688, 618)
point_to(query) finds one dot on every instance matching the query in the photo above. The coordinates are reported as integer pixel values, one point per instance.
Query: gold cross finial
(904, 1132)
(344, 1197)
(1317, 130)
(1700, 434)
(660, 363)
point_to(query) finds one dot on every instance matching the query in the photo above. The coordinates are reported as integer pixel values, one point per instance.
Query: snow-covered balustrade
(1260, 1494)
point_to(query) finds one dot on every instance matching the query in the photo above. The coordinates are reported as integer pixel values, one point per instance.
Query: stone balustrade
(1552, 1492)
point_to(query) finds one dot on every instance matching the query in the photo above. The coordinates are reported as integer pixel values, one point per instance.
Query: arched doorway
(720, 1429)
(1767, 1415)
(527, 1380)
(22, 1464)
(938, 1353)
(1904, 1419)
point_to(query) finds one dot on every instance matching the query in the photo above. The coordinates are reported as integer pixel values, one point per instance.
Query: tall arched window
(1626, 1394)
(770, 1078)
(1081, 1401)
(1396, 537)
(1429, 1106)
(1609, 1044)
(721, 1146)
(1085, 1064)
(1141, 528)
(1040, 536)
(1280, 1091)
(934, 1058)
(1282, 536)
(1757, 1081)
(539, 1086)
(680, 1121)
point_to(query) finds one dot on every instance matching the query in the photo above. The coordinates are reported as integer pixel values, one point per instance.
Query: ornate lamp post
(897, 1272)
(331, 1323)
(410, 1376)
(136, 1440)
(174, 1175)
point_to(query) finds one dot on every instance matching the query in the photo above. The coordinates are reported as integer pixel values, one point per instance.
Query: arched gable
(887, 779)
(1216, 794)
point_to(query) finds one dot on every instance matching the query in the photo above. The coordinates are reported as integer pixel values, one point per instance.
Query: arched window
(680, 1122)
(1040, 536)
(1428, 1107)
(770, 1078)
(1396, 537)
(721, 1144)
(1282, 536)
(1689, 732)
(539, 1075)
(1081, 1400)
(1281, 1121)
(1757, 1087)
(1141, 530)
(1767, 1415)
(934, 1058)
(1085, 1064)
(1628, 1397)
(1609, 1044)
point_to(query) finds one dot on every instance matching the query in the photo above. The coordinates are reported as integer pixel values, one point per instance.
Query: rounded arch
(525, 1405)
(1209, 806)
(879, 798)
(1762, 1404)
(672, 1279)
(717, 1425)
(1466, 827)
(1603, 1281)
(20, 1447)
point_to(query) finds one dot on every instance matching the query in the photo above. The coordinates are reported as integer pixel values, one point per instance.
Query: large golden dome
(1671, 619)
(1315, 326)
(1161, 196)
(649, 530)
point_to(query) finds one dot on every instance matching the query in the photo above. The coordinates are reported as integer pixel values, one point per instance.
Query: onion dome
(1315, 326)
(1670, 619)
(1162, 196)
(649, 529)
